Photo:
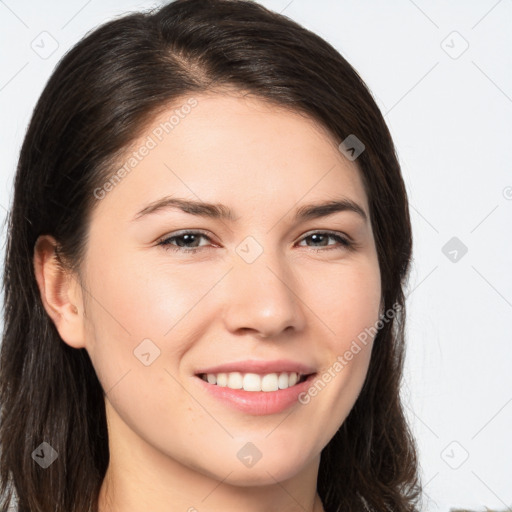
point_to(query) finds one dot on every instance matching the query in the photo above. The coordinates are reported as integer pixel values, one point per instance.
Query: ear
(60, 292)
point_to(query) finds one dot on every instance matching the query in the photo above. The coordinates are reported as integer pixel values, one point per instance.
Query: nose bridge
(261, 294)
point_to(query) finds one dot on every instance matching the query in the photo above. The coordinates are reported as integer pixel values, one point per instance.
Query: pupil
(187, 238)
(317, 235)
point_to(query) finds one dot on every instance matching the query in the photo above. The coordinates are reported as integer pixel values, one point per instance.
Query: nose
(262, 298)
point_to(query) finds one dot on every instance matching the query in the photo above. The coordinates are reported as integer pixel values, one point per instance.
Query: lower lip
(258, 403)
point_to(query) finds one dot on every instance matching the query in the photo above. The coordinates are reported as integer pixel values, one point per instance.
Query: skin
(170, 441)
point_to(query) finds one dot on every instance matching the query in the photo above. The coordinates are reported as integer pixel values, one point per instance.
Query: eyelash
(166, 242)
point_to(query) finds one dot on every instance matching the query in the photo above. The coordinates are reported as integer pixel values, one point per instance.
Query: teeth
(254, 381)
(222, 379)
(270, 382)
(235, 380)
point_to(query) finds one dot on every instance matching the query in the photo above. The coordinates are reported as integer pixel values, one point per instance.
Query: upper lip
(260, 367)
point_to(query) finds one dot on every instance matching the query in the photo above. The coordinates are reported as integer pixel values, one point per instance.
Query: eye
(321, 236)
(184, 238)
(187, 241)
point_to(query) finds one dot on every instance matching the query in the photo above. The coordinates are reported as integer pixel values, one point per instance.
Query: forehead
(251, 120)
(232, 149)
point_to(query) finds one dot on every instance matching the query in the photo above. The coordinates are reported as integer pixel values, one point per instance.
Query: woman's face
(265, 291)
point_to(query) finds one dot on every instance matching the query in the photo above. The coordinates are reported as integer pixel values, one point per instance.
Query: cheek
(349, 302)
(351, 311)
(136, 298)
(141, 311)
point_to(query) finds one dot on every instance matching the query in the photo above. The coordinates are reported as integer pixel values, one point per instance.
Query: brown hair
(102, 94)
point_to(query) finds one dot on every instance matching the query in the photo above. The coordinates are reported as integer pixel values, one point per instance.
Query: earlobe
(60, 292)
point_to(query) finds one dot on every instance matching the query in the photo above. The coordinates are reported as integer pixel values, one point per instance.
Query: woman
(260, 366)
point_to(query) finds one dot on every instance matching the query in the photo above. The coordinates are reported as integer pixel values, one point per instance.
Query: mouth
(255, 382)
(256, 394)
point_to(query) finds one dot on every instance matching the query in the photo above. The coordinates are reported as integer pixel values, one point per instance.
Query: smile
(254, 382)
(256, 403)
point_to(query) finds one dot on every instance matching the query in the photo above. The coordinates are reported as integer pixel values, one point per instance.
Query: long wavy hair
(99, 99)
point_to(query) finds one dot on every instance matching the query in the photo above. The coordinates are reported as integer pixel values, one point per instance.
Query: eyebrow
(220, 211)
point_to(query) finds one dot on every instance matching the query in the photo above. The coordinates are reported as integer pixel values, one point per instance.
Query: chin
(279, 467)
(261, 477)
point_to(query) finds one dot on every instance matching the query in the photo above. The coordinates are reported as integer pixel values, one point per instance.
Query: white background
(449, 110)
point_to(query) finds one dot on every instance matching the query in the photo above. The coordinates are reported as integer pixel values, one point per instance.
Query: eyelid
(183, 232)
(328, 232)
